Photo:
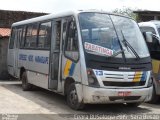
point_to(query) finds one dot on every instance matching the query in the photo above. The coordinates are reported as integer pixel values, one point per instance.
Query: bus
(90, 57)
(151, 32)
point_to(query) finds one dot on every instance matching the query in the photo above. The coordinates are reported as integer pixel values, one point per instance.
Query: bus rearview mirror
(148, 36)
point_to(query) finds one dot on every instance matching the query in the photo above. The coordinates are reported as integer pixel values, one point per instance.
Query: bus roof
(58, 15)
(152, 23)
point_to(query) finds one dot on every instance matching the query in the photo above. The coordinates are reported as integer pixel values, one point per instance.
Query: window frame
(147, 29)
(38, 24)
(12, 43)
(70, 19)
(23, 37)
(26, 30)
(46, 21)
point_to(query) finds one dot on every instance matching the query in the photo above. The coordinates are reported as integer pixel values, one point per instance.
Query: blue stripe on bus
(72, 69)
(144, 76)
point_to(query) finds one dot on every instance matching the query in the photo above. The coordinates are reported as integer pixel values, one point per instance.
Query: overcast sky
(52, 6)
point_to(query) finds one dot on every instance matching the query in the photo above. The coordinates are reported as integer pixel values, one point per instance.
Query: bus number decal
(99, 72)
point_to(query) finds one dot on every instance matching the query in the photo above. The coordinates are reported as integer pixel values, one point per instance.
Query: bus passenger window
(18, 36)
(58, 35)
(64, 33)
(44, 36)
(23, 37)
(31, 36)
(12, 38)
(71, 45)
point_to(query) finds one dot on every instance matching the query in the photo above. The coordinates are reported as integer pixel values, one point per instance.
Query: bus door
(13, 51)
(70, 53)
(55, 55)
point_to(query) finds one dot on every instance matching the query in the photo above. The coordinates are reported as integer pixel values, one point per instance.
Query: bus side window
(31, 36)
(44, 36)
(19, 36)
(12, 38)
(64, 33)
(153, 44)
(58, 35)
(23, 37)
(71, 43)
(144, 30)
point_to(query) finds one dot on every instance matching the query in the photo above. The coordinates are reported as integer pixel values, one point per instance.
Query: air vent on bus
(127, 98)
(123, 84)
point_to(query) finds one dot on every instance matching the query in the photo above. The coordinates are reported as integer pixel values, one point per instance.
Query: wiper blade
(115, 54)
(128, 45)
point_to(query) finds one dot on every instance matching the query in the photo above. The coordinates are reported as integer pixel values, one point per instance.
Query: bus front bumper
(102, 95)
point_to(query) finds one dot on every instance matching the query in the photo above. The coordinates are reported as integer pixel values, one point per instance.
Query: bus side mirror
(149, 37)
(156, 39)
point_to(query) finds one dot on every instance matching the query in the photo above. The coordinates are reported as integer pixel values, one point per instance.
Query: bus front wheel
(72, 98)
(25, 85)
(155, 97)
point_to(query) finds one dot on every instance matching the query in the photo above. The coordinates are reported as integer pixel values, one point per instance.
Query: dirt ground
(45, 105)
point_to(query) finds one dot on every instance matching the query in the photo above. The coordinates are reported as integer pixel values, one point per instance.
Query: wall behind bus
(3, 58)
(7, 18)
(146, 15)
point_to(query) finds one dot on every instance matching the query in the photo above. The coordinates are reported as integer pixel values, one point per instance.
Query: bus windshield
(103, 34)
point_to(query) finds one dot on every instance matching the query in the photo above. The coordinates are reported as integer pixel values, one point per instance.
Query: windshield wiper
(128, 45)
(115, 54)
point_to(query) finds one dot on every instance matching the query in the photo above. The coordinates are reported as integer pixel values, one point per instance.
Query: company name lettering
(98, 49)
(31, 58)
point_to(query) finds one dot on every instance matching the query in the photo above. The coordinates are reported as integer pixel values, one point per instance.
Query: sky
(55, 6)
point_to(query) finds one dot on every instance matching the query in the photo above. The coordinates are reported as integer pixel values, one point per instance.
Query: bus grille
(124, 98)
(123, 84)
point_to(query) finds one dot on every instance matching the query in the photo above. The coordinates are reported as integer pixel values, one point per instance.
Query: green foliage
(127, 12)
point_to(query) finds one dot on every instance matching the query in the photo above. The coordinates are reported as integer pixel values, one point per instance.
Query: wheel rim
(73, 97)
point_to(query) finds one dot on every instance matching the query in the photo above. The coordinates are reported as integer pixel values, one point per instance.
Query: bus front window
(98, 34)
(103, 34)
(132, 34)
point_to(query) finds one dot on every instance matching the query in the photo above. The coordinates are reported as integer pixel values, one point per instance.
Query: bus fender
(79, 89)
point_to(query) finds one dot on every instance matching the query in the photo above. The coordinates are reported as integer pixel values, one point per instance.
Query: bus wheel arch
(22, 69)
(23, 77)
(71, 94)
(155, 98)
(68, 81)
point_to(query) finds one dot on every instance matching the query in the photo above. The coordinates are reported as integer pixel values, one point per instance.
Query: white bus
(91, 57)
(153, 43)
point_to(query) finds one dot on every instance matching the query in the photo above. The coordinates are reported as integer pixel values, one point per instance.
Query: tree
(126, 11)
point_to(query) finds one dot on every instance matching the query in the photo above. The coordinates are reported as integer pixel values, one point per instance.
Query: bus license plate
(124, 93)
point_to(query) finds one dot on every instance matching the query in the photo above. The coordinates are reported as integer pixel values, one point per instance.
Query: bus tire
(133, 104)
(155, 97)
(25, 85)
(72, 98)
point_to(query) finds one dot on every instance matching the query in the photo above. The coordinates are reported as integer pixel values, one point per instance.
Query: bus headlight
(150, 82)
(92, 80)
